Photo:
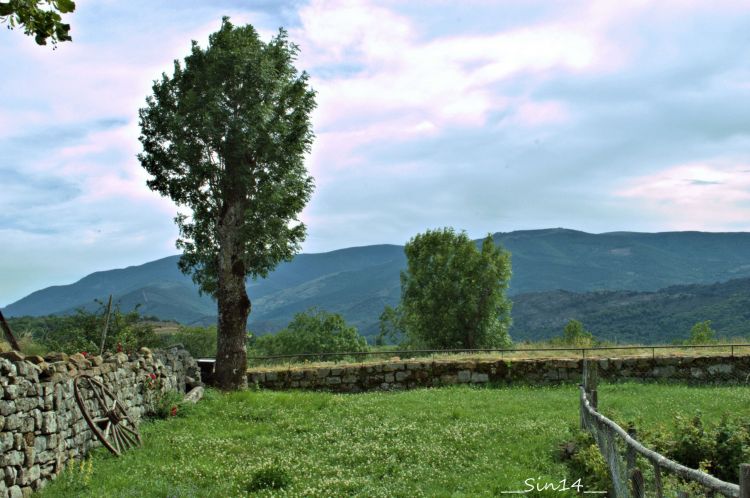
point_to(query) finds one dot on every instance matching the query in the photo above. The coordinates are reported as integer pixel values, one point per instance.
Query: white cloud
(709, 196)
(429, 113)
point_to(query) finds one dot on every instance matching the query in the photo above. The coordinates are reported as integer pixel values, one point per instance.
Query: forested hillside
(358, 282)
(639, 317)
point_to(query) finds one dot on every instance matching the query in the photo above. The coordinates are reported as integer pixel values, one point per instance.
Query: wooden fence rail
(627, 478)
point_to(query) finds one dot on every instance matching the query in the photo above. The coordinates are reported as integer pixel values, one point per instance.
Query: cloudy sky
(482, 115)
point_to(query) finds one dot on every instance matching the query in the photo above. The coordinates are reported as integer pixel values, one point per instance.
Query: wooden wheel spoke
(110, 425)
(100, 395)
(127, 437)
(134, 433)
(116, 434)
(127, 443)
(114, 439)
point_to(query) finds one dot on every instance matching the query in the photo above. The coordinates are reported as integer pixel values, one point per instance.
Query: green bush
(575, 335)
(163, 402)
(313, 331)
(82, 331)
(720, 449)
(702, 333)
(717, 449)
(582, 456)
(269, 477)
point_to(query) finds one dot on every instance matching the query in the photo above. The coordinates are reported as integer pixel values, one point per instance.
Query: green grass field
(433, 442)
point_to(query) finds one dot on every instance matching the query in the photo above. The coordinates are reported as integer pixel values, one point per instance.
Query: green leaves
(313, 331)
(453, 294)
(575, 335)
(232, 127)
(702, 333)
(39, 18)
(65, 6)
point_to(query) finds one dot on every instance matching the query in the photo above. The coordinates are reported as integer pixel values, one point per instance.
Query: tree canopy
(453, 294)
(574, 334)
(40, 18)
(225, 136)
(702, 333)
(313, 331)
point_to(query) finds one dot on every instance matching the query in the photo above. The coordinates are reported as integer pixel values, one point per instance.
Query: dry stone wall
(408, 374)
(41, 426)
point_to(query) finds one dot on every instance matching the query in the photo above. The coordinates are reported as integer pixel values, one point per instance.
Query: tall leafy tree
(453, 294)
(40, 18)
(226, 137)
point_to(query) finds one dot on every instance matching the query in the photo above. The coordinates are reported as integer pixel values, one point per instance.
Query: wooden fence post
(8, 333)
(657, 482)
(630, 455)
(745, 480)
(106, 324)
(637, 484)
(590, 381)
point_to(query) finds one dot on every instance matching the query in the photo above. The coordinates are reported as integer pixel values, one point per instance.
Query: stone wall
(41, 426)
(408, 374)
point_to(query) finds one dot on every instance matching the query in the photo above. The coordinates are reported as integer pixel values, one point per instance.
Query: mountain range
(557, 273)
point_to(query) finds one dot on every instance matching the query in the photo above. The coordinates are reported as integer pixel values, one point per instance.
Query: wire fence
(576, 351)
(620, 450)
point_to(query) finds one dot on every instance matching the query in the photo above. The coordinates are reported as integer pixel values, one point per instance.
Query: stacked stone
(41, 426)
(408, 374)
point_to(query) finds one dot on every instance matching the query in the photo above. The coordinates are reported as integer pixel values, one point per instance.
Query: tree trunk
(233, 303)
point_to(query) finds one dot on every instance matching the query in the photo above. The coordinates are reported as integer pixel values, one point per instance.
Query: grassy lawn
(433, 442)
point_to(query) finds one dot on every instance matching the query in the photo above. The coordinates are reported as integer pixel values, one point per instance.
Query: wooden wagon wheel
(109, 419)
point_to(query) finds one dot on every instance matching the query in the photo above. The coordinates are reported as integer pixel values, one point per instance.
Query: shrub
(271, 476)
(162, 403)
(702, 333)
(313, 331)
(720, 449)
(575, 335)
(582, 456)
(82, 331)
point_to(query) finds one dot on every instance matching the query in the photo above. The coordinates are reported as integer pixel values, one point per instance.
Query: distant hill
(636, 317)
(357, 282)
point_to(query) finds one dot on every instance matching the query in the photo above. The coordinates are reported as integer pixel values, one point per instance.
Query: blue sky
(482, 115)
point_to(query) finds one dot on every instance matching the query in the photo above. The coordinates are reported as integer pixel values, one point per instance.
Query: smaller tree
(702, 333)
(453, 294)
(82, 331)
(313, 331)
(44, 23)
(575, 335)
